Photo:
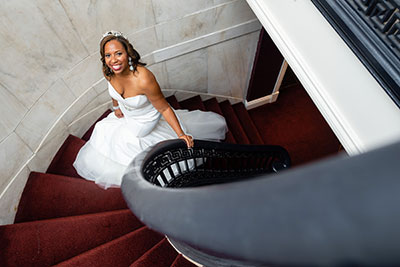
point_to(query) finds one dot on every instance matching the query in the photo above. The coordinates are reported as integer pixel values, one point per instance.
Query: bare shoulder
(147, 81)
(145, 76)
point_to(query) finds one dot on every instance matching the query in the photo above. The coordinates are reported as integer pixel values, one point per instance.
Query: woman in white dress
(141, 118)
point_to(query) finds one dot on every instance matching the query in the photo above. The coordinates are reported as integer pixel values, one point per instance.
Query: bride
(141, 118)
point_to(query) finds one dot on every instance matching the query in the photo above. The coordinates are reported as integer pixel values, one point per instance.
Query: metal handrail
(339, 211)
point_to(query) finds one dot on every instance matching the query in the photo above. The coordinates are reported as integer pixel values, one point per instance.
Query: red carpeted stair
(52, 196)
(124, 250)
(192, 103)
(46, 242)
(65, 220)
(213, 105)
(161, 254)
(173, 102)
(180, 261)
(233, 123)
(62, 162)
(248, 125)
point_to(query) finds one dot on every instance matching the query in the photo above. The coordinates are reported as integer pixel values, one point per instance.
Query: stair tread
(180, 261)
(248, 124)
(73, 221)
(47, 196)
(173, 102)
(212, 105)
(193, 103)
(119, 252)
(65, 157)
(233, 122)
(47, 242)
(89, 132)
(162, 254)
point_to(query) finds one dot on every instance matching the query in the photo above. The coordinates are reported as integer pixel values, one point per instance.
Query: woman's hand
(118, 113)
(188, 139)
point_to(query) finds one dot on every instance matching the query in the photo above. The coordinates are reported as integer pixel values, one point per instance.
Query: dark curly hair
(132, 53)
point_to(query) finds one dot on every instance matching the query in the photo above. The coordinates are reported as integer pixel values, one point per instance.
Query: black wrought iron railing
(371, 28)
(342, 211)
(172, 164)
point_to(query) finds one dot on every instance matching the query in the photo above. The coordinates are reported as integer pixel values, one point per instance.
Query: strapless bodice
(137, 107)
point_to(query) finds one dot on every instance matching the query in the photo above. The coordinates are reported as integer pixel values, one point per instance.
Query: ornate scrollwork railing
(172, 164)
(371, 28)
(383, 17)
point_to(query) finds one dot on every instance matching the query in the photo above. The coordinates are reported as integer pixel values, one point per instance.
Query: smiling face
(116, 57)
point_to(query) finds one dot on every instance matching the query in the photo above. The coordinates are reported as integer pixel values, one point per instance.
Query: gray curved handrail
(334, 212)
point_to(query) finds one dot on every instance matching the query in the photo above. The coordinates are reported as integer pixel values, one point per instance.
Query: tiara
(115, 33)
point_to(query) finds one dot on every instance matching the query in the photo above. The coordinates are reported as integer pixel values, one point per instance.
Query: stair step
(49, 196)
(180, 261)
(47, 242)
(212, 105)
(65, 157)
(162, 254)
(89, 132)
(173, 102)
(119, 252)
(193, 103)
(74, 222)
(248, 124)
(233, 123)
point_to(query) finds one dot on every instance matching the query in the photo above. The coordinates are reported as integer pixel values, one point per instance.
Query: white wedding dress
(116, 141)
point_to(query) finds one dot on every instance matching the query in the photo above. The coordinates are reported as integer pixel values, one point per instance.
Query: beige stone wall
(51, 83)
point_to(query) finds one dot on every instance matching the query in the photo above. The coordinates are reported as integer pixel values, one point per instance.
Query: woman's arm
(153, 92)
(116, 108)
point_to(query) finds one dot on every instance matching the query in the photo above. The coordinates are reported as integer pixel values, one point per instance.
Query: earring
(130, 64)
(109, 70)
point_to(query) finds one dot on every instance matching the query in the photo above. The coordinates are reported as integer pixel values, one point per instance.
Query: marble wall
(51, 83)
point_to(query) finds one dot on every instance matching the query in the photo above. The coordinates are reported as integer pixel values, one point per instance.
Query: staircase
(65, 220)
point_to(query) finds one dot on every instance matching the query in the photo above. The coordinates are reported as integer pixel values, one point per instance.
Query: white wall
(51, 83)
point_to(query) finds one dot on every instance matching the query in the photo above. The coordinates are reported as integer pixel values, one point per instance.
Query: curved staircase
(65, 220)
